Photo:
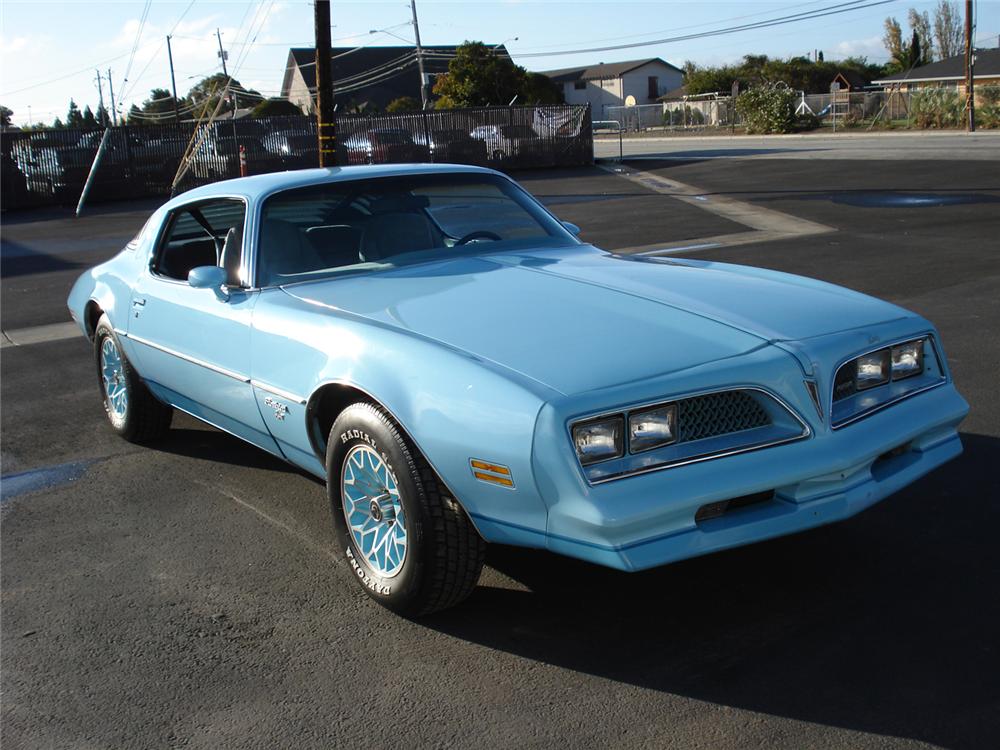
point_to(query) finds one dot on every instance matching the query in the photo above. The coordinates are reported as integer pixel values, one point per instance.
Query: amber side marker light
(485, 471)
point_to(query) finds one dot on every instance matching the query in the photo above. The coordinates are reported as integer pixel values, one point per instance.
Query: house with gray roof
(948, 73)
(372, 76)
(615, 84)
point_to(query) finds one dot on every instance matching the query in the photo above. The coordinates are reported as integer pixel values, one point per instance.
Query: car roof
(261, 185)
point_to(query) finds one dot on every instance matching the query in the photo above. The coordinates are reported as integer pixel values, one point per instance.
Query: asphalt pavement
(186, 595)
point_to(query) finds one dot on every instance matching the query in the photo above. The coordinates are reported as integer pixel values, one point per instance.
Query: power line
(67, 75)
(780, 21)
(672, 30)
(135, 44)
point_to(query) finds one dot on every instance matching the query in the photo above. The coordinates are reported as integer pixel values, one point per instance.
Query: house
(948, 73)
(615, 84)
(371, 76)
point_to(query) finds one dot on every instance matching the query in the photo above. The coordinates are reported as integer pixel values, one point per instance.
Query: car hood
(578, 319)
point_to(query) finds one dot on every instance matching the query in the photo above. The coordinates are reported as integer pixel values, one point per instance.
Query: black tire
(144, 418)
(444, 552)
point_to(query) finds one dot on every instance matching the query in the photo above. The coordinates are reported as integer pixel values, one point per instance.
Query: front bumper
(649, 520)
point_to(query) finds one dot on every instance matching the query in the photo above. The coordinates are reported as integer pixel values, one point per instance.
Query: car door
(193, 345)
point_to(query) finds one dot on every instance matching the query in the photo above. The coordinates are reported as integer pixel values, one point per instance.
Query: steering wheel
(480, 234)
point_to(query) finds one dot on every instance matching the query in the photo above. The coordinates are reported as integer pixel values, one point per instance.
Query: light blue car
(460, 369)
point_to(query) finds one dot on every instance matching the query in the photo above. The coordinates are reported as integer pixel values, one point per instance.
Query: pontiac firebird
(460, 369)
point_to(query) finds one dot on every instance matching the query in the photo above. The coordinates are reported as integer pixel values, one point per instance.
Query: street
(187, 594)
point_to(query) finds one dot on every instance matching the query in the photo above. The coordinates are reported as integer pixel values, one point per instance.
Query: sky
(49, 50)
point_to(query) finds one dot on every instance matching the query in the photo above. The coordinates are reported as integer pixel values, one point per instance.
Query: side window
(199, 235)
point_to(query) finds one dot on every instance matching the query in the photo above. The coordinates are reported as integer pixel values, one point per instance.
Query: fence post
(93, 171)
(427, 132)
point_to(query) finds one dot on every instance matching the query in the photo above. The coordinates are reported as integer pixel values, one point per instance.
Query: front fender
(453, 406)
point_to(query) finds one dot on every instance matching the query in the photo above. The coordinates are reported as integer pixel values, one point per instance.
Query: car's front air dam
(644, 521)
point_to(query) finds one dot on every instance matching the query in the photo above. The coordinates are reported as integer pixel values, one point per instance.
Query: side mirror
(572, 228)
(209, 277)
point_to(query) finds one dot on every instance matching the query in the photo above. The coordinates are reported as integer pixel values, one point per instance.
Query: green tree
(89, 121)
(135, 116)
(797, 73)
(57, 124)
(5, 113)
(540, 89)
(479, 76)
(204, 96)
(948, 29)
(921, 26)
(275, 108)
(157, 108)
(403, 104)
(73, 117)
(102, 116)
(892, 40)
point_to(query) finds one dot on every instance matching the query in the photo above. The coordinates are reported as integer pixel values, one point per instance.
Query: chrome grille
(718, 414)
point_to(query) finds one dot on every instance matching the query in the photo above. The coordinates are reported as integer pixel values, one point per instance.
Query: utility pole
(100, 95)
(420, 56)
(114, 112)
(970, 59)
(223, 55)
(325, 127)
(173, 81)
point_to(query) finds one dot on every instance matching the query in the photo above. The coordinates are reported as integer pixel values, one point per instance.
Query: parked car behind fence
(142, 161)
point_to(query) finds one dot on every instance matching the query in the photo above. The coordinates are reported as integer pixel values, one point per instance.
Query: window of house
(195, 236)
(579, 85)
(654, 87)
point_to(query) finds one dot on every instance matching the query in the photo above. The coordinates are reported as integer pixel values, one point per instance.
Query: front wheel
(409, 544)
(134, 413)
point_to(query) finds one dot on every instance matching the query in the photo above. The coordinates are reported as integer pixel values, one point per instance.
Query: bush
(805, 121)
(936, 108)
(403, 104)
(767, 109)
(988, 94)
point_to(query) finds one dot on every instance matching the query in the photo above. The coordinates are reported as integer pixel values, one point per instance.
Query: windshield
(380, 223)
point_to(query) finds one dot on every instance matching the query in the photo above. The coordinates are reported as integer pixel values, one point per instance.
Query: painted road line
(767, 223)
(40, 334)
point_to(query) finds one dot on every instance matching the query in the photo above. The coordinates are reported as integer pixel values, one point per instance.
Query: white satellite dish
(629, 101)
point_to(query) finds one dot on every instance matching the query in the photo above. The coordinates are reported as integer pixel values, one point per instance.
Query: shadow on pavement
(215, 446)
(17, 259)
(886, 623)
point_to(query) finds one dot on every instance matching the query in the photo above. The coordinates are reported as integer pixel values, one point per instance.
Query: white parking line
(766, 223)
(40, 334)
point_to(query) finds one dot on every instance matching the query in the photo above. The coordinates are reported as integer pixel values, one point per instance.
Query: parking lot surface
(187, 595)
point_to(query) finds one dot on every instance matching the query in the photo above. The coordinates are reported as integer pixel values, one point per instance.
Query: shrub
(767, 109)
(403, 104)
(936, 108)
(988, 94)
(805, 121)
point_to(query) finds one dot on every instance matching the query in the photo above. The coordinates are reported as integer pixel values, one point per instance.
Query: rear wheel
(134, 413)
(408, 543)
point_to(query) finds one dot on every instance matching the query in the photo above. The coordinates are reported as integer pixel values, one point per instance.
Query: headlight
(652, 428)
(872, 369)
(598, 439)
(907, 359)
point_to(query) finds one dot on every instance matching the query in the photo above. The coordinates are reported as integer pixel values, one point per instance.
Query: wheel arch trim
(314, 428)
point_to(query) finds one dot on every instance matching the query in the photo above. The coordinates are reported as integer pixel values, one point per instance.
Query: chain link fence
(50, 167)
(927, 107)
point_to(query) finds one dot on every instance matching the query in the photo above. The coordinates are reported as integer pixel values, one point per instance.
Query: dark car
(384, 147)
(453, 146)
